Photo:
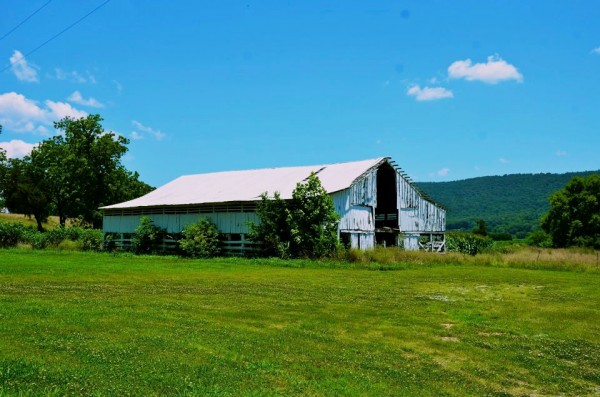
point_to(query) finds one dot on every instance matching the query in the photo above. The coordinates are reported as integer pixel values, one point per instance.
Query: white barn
(377, 203)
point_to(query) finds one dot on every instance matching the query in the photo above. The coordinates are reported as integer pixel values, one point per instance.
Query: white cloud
(159, 135)
(443, 172)
(73, 76)
(22, 69)
(62, 109)
(136, 136)
(17, 148)
(429, 93)
(596, 50)
(502, 160)
(20, 114)
(495, 70)
(561, 153)
(77, 98)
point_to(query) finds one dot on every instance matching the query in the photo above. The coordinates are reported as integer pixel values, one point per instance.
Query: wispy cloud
(17, 148)
(442, 172)
(561, 153)
(118, 86)
(429, 93)
(493, 71)
(22, 69)
(20, 114)
(596, 51)
(74, 76)
(77, 98)
(502, 160)
(142, 129)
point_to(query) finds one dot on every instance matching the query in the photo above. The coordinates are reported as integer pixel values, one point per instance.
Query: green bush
(200, 239)
(148, 238)
(69, 245)
(36, 239)
(466, 243)
(91, 240)
(11, 234)
(540, 238)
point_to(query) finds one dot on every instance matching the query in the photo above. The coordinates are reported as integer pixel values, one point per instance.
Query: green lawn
(98, 324)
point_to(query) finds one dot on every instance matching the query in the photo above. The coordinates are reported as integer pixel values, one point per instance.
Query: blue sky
(450, 90)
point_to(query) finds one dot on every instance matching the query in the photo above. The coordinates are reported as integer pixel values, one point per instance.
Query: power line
(56, 35)
(25, 20)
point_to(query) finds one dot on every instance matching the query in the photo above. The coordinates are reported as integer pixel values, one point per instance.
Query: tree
(481, 228)
(24, 190)
(574, 215)
(72, 174)
(273, 231)
(305, 226)
(313, 220)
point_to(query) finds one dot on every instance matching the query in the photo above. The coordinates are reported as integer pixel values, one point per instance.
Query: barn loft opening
(386, 211)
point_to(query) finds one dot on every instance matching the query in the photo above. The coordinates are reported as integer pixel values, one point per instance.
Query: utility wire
(55, 36)
(25, 20)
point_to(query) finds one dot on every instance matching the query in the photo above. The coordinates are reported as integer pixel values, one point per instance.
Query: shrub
(500, 236)
(91, 240)
(148, 238)
(36, 239)
(200, 239)
(69, 245)
(11, 234)
(540, 238)
(466, 243)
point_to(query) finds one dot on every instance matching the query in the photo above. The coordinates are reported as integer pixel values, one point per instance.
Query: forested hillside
(510, 203)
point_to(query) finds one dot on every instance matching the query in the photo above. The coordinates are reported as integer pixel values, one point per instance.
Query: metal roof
(230, 186)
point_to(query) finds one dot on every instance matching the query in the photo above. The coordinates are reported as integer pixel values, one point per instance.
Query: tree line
(70, 175)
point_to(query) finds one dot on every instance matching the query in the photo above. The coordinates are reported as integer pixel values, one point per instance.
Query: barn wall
(364, 190)
(227, 222)
(353, 217)
(416, 213)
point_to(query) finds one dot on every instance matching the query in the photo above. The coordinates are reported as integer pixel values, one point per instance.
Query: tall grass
(575, 259)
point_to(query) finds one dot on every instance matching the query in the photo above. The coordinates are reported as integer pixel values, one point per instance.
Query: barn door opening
(386, 211)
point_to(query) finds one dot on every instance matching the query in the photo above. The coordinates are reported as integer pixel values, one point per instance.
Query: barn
(376, 200)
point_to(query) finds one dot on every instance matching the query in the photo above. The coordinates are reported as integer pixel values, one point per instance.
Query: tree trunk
(38, 220)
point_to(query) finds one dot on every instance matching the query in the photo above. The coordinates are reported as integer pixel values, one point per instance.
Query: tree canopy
(574, 216)
(71, 174)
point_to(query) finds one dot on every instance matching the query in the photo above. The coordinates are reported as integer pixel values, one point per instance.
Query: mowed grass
(97, 324)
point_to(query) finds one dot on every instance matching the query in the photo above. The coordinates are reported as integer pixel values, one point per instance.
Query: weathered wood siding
(416, 213)
(353, 217)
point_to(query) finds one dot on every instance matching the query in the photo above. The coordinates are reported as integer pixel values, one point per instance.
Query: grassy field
(29, 220)
(99, 324)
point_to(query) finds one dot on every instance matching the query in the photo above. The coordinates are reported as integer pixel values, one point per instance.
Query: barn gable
(377, 203)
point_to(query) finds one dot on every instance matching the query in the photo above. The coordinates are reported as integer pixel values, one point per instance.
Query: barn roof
(230, 186)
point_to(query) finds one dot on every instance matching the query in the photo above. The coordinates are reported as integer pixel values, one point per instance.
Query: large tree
(574, 216)
(305, 226)
(26, 192)
(78, 171)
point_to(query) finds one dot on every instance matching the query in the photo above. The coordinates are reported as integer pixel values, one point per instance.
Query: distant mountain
(510, 203)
